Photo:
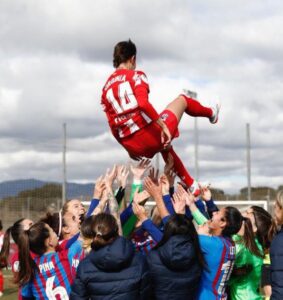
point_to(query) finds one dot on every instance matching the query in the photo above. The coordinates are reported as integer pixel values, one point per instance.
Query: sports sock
(1, 282)
(195, 109)
(179, 167)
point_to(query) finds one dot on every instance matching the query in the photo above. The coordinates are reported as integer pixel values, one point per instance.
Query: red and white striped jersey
(125, 102)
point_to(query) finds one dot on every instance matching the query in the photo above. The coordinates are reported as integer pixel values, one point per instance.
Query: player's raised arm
(155, 190)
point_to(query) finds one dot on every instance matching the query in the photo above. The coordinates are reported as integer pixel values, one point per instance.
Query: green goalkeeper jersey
(246, 286)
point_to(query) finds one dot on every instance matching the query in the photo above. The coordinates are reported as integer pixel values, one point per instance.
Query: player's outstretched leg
(181, 171)
(193, 108)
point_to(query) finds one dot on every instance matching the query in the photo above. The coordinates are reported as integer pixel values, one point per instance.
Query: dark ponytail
(104, 230)
(27, 265)
(15, 231)
(31, 240)
(249, 238)
(4, 254)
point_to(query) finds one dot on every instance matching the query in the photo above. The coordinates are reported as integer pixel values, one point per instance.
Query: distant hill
(75, 190)
(14, 187)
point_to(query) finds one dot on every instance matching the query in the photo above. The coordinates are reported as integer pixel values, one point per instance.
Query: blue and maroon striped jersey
(142, 241)
(75, 255)
(219, 254)
(52, 280)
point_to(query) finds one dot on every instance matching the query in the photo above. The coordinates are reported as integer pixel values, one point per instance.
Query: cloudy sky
(55, 56)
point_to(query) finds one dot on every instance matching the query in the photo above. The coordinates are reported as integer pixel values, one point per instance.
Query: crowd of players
(183, 248)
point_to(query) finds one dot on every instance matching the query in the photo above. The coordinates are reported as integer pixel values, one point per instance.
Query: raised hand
(139, 210)
(153, 188)
(186, 195)
(110, 176)
(122, 175)
(99, 188)
(112, 202)
(179, 202)
(171, 177)
(141, 197)
(205, 193)
(139, 170)
(153, 174)
(163, 180)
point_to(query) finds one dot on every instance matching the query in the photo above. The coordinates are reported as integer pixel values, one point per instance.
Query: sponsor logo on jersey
(164, 117)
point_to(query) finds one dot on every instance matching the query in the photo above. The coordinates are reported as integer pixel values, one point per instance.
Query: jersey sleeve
(93, 204)
(152, 229)
(199, 217)
(141, 91)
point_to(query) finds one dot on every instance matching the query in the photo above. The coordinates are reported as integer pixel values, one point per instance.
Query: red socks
(1, 282)
(195, 109)
(179, 168)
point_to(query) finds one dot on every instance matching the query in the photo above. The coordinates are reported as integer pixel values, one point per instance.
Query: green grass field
(10, 290)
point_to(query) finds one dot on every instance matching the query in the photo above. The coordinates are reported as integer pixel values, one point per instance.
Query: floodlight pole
(64, 165)
(248, 160)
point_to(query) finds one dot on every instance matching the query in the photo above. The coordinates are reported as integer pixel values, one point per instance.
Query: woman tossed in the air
(133, 120)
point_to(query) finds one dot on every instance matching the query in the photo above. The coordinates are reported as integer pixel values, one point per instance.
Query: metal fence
(35, 205)
(242, 205)
(32, 208)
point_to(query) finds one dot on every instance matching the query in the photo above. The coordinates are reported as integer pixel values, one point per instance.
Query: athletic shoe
(195, 189)
(215, 114)
(1, 294)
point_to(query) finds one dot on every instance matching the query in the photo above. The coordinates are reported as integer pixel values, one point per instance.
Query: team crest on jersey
(164, 117)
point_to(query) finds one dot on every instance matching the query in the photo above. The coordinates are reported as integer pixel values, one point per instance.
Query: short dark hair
(86, 228)
(123, 51)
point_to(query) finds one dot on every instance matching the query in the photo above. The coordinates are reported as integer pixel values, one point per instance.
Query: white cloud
(56, 56)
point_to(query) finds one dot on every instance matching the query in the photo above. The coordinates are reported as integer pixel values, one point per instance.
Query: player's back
(52, 280)
(125, 102)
